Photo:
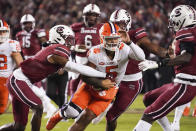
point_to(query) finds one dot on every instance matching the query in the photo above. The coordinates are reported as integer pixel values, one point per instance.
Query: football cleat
(51, 123)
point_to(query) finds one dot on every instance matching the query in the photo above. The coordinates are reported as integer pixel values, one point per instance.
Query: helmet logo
(177, 11)
(59, 30)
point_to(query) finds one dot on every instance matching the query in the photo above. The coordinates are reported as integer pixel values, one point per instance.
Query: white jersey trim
(185, 79)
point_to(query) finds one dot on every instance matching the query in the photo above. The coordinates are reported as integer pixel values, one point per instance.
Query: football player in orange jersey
(10, 58)
(111, 56)
(132, 83)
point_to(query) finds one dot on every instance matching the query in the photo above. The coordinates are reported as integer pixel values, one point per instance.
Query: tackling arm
(187, 51)
(152, 47)
(75, 67)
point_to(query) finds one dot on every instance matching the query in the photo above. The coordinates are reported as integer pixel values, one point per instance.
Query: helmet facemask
(4, 35)
(4, 31)
(111, 43)
(90, 19)
(28, 26)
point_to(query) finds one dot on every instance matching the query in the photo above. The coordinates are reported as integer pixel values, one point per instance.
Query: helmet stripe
(112, 27)
(92, 6)
(116, 14)
(26, 17)
(5, 24)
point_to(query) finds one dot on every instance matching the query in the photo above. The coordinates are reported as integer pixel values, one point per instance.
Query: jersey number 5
(3, 62)
(109, 68)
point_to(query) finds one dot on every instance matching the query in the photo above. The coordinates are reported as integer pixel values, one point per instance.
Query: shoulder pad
(184, 35)
(77, 26)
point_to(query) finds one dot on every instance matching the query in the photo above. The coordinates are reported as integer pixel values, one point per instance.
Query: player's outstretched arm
(178, 60)
(75, 67)
(154, 48)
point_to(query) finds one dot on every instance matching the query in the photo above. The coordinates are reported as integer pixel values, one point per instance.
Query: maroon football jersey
(135, 35)
(88, 36)
(186, 35)
(38, 67)
(29, 42)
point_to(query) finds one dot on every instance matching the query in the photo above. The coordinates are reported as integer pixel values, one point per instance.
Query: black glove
(110, 76)
(45, 44)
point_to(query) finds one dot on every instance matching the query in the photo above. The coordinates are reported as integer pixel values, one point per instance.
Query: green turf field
(126, 122)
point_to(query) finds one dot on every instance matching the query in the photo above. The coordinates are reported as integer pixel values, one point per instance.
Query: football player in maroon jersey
(183, 21)
(44, 63)
(86, 35)
(31, 40)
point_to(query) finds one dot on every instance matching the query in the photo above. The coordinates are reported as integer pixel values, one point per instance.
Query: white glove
(147, 64)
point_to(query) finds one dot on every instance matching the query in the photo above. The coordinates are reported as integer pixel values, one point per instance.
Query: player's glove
(45, 44)
(110, 76)
(148, 64)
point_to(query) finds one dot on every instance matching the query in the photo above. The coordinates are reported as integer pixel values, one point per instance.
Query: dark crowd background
(150, 14)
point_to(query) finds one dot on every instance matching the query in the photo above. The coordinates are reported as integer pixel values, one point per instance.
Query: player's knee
(38, 110)
(146, 100)
(88, 116)
(71, 110)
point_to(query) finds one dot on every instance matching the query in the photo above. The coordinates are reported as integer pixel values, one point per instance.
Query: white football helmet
(182, 16)
(4, 31)
(27, 18)
(62, 34)
(121, 16)
(90, 9)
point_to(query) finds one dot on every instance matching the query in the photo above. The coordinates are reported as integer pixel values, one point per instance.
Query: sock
(178, 113)
(142, 126)
(164, 123)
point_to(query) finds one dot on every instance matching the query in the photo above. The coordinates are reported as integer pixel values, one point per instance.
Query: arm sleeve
(136, 52)
(84, 70)
(15, 46)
